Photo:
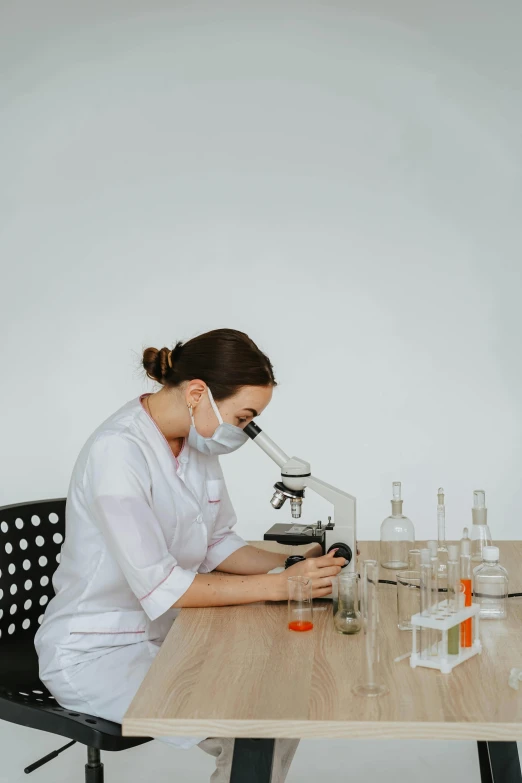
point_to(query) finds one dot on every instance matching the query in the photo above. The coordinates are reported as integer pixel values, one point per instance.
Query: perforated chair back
(31, 538)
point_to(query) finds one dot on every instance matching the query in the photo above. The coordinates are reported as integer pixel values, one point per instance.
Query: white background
(342, 180)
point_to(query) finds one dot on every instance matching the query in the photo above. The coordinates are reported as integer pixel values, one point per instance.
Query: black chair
(31, 536)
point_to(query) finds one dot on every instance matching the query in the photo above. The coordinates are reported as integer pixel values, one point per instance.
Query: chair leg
(94, 767)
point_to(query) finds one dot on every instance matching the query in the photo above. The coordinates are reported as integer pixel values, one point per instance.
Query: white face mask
(226, 438)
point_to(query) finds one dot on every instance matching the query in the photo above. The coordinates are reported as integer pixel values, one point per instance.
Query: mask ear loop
(214, 406)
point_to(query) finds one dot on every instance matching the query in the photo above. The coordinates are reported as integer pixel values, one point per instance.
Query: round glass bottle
(397, 534)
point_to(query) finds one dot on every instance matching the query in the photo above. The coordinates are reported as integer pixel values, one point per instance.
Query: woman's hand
(321, 570)
(314, 550)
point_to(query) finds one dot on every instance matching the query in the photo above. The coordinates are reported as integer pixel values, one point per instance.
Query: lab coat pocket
(91, 632)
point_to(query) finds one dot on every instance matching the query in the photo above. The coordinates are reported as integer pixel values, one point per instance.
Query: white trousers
(223, 750)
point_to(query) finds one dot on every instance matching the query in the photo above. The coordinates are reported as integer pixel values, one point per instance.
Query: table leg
(499, 762)
(252, 761)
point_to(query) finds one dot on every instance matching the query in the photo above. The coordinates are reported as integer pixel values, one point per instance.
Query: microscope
(295, 477)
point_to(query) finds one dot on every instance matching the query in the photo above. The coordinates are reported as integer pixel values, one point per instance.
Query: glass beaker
(408, 598)
(300, 603)
(347, 618)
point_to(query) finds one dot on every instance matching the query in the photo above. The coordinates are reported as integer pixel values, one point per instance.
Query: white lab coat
(140, 524)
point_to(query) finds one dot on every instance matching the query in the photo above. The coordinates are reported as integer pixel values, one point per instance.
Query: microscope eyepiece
(252, 430)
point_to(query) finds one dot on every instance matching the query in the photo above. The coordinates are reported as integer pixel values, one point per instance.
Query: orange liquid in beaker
(300, 625)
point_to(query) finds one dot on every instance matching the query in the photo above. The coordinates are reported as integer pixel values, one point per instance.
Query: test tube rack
(441, 620)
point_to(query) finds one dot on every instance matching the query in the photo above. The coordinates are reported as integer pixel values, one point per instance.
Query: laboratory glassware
(434, 602)
(442, 549)
(414, 558)
(300, 603)
(347, 619)
(465, 579)
(443, 660)
(490, 586)
(372, 684)
(408, 598)
(425, 635)
(397, 534)
(454, 587)
(480, 535)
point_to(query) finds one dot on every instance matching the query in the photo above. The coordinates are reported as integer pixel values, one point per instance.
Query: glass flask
(397, 534)
(347, 618)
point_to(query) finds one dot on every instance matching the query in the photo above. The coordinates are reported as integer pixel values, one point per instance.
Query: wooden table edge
(162, 727)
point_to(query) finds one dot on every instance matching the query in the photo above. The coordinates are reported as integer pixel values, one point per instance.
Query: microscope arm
(328, 492)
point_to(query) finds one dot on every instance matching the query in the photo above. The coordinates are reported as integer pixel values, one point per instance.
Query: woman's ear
(194, 391)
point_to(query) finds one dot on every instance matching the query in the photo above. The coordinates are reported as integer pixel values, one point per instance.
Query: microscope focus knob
(343, 550)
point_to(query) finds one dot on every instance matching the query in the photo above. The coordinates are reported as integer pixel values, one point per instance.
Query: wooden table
(239, 672)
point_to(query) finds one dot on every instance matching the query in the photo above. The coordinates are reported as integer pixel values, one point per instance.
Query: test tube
(414, 558)
(442, 549)
(434, 604)
(425, 597)
(300, 603)
(454, 586)
(372, 684)
(466, 633)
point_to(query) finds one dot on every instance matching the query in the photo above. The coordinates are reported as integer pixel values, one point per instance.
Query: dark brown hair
(224, 358)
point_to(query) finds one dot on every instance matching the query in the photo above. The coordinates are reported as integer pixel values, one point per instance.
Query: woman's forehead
(255, 397)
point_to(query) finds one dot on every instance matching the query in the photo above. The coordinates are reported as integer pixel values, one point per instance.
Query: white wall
(342, 180)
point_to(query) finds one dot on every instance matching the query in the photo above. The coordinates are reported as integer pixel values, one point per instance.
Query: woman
(149, 531)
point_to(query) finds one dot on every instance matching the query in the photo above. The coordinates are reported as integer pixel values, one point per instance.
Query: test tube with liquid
(372, 684)
(454, 587)
(466, 631)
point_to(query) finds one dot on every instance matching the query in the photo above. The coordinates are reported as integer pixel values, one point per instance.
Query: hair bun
(156, 364)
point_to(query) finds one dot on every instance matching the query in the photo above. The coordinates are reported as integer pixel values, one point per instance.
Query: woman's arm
(252, 560)
(216, 589)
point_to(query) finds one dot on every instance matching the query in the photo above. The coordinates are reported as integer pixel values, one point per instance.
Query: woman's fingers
(326, 581)
(326, 561)
(331, 571)
(322, 592)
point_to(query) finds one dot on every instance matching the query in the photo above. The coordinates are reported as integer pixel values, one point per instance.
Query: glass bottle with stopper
(490, 585)
(480, 535)
(397, 534)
